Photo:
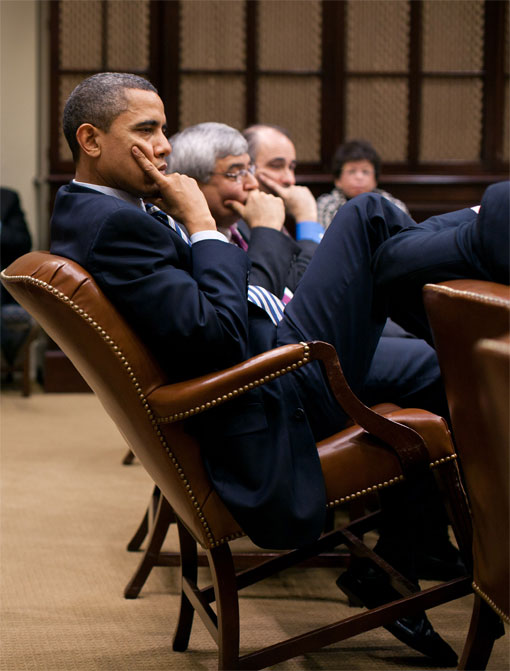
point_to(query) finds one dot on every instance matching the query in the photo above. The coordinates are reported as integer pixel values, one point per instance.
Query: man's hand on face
(260, 209)
(180, 196)
(299, 200)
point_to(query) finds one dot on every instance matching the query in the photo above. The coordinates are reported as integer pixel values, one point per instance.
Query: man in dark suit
(15, 237)
(15, 240)
(189, 303)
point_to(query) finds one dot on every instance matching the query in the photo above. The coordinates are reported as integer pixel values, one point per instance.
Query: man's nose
(250, 182)
(288, 177)
(163, 146)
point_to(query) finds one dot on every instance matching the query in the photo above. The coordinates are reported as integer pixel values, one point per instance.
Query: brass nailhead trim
(184, 414)
(387, 483)
(491, 603)
(443, 460)
(136, 384)
(364, 492)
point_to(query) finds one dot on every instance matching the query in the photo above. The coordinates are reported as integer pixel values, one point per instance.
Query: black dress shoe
(443, 563)
(367, 587)
(418, 633)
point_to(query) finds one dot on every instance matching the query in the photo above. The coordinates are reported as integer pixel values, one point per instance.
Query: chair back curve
(492, 541)
(72, 309)
(464, 314)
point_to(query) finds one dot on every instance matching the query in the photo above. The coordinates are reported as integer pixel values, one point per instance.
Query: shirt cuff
(207, 235)
(309, 230)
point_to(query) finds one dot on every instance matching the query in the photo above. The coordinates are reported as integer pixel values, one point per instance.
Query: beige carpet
(69, 507)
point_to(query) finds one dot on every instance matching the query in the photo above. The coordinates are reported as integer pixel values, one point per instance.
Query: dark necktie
(166, 219)
(237, 238)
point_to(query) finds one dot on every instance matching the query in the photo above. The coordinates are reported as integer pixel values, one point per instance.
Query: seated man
(187, 298)
(15, 240)
(216, 155)
(274, 155)
(356, 167)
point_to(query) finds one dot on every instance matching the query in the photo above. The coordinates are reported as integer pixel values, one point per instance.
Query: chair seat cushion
(355, 463)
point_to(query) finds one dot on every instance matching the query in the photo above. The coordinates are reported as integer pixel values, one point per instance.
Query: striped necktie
(166, 219)
(267, 301)
(259, 295)
(272, 305)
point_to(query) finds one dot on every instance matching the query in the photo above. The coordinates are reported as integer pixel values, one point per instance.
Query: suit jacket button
(299, 414)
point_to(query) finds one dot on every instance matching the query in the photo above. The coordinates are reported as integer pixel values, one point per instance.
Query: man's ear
(87, 137)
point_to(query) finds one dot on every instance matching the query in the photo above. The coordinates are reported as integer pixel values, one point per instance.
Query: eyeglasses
(239, 175)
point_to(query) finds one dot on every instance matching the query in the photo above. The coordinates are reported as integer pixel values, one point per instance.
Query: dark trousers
(374, 260)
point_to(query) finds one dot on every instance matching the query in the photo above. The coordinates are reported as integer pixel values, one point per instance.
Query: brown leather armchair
(378, 451)
(470, 321)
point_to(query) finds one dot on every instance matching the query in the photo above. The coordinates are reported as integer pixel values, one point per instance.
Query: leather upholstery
(470, 322)
(128, 381)
(491, 541)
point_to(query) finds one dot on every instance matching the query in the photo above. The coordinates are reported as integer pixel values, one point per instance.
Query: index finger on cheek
(140, 158)
(144, 163)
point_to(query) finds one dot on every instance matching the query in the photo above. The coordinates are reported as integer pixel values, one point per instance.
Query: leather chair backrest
(491, 540)
(75, 313)
(462, 313)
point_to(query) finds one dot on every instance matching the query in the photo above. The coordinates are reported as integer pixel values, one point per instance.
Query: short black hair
(98, 100)
(355, 150)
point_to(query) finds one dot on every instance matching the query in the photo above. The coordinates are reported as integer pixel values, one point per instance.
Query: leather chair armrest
(179, 401)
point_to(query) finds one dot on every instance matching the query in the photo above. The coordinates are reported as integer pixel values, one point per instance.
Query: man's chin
(150, 191)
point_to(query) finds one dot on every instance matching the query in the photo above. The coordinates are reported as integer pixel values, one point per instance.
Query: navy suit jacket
(189, 305)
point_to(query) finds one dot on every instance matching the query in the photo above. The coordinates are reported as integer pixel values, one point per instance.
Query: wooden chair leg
(129, 457)
(164, 517)
(484, 629)
(140, 534)
(227, 606)
(223, 625)
(189, 573)
(150, 514)
(450, 485)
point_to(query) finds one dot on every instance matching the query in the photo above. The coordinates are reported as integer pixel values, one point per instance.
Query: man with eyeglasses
(216, 155)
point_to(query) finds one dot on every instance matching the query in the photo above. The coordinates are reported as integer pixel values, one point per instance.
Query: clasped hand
(260, 209)
(299, 200)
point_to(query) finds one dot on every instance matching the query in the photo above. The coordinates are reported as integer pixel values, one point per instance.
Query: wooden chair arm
(408, 445)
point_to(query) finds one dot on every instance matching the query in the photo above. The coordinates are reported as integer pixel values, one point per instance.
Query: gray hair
(252, 136)
(99, 100)
(196, 149)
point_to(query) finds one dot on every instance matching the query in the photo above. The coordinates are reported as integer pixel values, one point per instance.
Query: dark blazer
(15, 237)
(277, 260)
(189, 305)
